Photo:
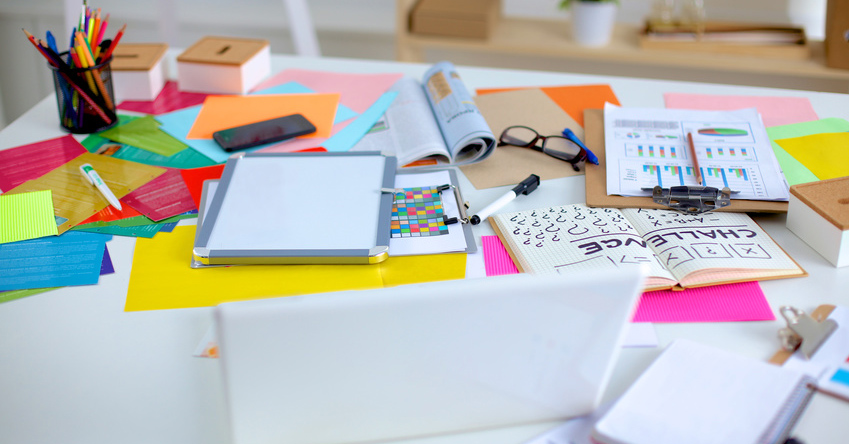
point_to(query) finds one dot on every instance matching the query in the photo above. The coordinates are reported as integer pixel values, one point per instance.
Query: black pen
(524, 187)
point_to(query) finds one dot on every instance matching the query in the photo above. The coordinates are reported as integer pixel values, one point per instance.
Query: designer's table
(76, 368)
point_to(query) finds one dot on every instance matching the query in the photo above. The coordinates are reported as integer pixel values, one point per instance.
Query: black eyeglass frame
(573, 160)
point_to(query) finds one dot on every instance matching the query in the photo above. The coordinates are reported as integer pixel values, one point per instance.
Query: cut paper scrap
(720, 303)
(162, 279)
(773, 110)
(163, 197)
(496, 258)
(347, 137)
(74, 199)
(794, 171)
(357, 91)
(28, 162)
(144, 133)
(169, 99)
(222, 112)
(825, 154)
(26, 216)
(73, 258)
(195, 177)
(573, 99)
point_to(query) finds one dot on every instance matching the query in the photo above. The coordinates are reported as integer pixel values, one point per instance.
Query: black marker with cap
(524, 187)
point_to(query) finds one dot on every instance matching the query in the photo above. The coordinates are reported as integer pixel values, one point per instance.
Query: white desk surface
(75, 368)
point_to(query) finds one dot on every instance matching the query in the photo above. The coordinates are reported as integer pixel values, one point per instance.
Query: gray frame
(264, 189)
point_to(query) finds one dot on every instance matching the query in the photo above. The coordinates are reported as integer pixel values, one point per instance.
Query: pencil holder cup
(85, 97)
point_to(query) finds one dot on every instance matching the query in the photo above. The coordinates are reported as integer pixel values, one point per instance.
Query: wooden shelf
(552, 39)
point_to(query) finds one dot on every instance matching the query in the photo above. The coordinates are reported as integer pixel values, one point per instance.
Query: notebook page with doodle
(711, 247)
(575, 237)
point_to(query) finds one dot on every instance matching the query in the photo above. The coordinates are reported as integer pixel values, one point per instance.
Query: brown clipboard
(819, 314)
(596, 178)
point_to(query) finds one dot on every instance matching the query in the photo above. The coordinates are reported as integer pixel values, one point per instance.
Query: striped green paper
(26, 216)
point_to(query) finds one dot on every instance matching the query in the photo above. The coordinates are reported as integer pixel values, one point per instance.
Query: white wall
(346, 28)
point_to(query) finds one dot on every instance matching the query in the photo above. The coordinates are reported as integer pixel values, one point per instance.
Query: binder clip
(803, 332)
(691, 199)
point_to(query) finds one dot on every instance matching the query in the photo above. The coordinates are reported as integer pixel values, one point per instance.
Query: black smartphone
(267, 131)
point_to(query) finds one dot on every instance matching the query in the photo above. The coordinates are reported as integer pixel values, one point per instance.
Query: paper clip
(691, 199)
(803, 332)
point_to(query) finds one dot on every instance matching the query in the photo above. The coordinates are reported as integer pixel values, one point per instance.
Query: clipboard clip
(691, 199)
(803, 332)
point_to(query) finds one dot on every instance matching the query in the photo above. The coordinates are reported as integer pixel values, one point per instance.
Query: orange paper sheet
(573, 99)
(222, 112)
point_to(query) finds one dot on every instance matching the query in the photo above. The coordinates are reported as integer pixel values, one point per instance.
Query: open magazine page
(407, 130)
(467, 135)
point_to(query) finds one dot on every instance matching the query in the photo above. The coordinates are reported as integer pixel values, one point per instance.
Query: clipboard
(596, 178)
(298, 208)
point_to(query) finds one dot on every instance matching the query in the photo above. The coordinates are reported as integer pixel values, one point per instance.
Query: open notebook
(686, 250)
(363, 366)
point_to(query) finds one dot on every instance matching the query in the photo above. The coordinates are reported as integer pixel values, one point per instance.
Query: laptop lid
(424, 359)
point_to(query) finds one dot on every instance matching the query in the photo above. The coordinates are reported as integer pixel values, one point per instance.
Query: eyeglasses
(566, 147)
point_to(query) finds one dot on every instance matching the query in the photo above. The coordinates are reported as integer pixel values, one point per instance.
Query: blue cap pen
(591, 158)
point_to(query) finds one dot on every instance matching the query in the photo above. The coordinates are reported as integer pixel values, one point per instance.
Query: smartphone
(267, 131)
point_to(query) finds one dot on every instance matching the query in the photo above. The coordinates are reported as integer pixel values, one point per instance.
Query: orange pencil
(696, 170)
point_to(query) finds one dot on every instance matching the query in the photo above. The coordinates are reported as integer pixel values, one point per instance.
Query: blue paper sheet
(74, 258)
(345, 139)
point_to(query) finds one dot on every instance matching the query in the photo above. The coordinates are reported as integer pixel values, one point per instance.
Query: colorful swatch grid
(418, 212)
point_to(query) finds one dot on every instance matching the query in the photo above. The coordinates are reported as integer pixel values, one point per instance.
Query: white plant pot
(592, 22)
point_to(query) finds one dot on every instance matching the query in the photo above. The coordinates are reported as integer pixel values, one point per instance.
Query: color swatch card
(418, 212)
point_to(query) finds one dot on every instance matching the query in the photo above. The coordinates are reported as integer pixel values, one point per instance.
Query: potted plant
(592, 20)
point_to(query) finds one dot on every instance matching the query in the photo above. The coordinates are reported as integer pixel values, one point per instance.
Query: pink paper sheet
(358, 91)
(495, 257)
(718, 303)
(774, 110)
(27, 162)
(169, 99)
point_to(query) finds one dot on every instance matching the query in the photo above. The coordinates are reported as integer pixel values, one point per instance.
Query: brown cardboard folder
(596, 177)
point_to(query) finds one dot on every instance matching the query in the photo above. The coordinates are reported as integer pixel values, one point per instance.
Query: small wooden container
(472, 19)
(819, 214)
(138, 70)
(223, 65)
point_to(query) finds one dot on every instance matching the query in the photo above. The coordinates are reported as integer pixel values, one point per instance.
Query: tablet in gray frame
(299, 208)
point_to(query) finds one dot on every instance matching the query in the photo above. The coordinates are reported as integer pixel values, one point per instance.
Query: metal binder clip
(692, 199)
(803, 331)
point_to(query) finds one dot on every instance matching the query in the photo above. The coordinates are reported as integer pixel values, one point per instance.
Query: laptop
(422, 359)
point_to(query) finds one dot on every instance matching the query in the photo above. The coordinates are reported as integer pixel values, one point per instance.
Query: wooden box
(138, 70)
(745, 39)
(837, 34)
(819, 214)
(223, 65)
(453, 18)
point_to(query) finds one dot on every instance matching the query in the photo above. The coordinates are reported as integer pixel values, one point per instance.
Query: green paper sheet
(11, 295)
(144, 133)
(27, 216)
(185, 159)
(795, 171)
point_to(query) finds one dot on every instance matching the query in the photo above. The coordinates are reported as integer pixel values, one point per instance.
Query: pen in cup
(94, 179)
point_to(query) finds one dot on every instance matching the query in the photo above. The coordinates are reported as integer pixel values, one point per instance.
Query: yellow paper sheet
(222, 112)
(26, 216)
(825, 154)
(75, 199)
(161, 277)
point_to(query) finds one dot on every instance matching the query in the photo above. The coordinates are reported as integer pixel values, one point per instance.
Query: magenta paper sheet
(169, 99)
(163, 197)
(774, 110)
(495, 257)
(27, 162)
(718, 303)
